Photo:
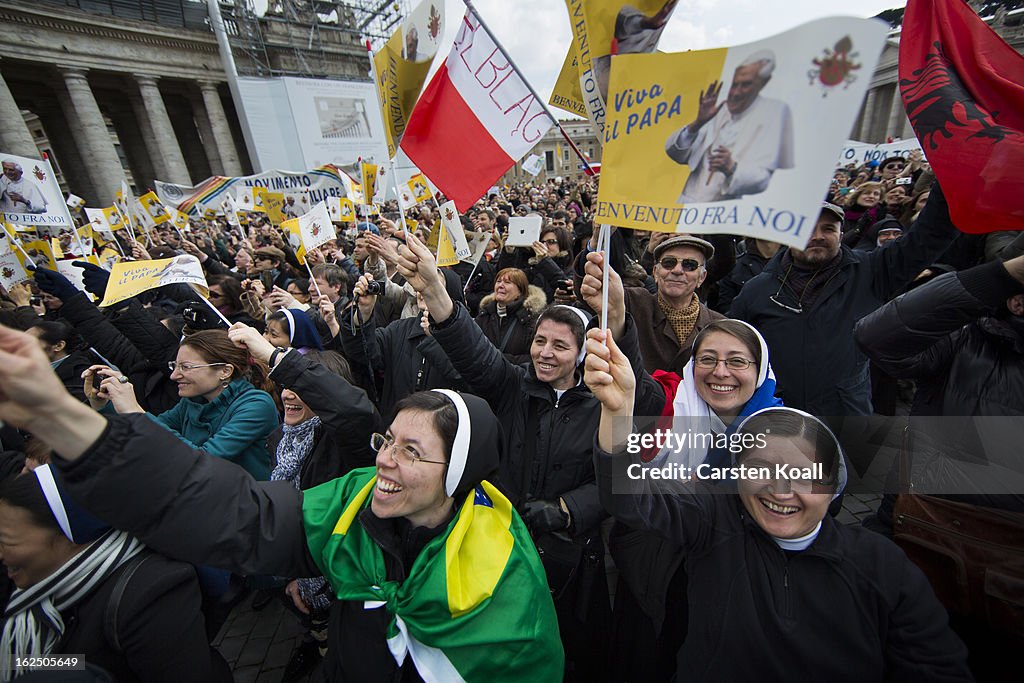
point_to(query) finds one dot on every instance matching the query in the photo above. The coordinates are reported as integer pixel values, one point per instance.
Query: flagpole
(313, 279)
(17, 242)
(508, 58)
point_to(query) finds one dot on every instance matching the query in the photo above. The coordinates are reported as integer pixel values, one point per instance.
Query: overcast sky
(536, 32)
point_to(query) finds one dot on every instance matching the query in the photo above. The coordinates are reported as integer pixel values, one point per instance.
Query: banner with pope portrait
(740, 140)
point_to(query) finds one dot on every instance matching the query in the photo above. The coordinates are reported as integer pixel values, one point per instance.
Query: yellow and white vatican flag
(294, 237)
(179, 220)
(40, 251)
(154, 208)
(100, 224)
(115, 219)
(420, 188)
(315, 227)
(347, 211)
(12, 268)
(453, 228)
(230, 210)
(273, 202)
(131, 278)
(74, 201)
(369, 181)
(401, 67)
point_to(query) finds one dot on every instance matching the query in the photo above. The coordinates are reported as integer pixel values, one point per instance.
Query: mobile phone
(904, 181)
(268, 280)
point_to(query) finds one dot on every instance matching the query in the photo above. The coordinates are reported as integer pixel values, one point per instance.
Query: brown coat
(659, 345)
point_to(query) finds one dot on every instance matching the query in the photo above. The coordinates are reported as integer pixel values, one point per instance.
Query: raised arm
(138, 477)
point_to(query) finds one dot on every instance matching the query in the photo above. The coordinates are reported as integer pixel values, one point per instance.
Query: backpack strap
(114, 601)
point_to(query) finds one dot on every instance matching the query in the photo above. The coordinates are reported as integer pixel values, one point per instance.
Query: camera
(198, 317)
(904, 181)
(375, 288)
(35, 301)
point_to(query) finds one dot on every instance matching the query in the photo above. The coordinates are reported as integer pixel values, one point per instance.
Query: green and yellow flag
(475, 605)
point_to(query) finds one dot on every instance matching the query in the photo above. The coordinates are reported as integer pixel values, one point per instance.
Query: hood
(302, 332)
(476, 452)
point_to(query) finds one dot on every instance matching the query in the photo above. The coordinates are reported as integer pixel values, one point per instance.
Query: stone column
(100, 155)
(898, 121)
(221, 132)
(156, 161)
(15, 137)
(206, 134)
(869, 116)
(163, 131)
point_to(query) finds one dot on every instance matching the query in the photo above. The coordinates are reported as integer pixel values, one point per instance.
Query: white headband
(585, 319)
(460, 449)
(52, 495)
(291, 324)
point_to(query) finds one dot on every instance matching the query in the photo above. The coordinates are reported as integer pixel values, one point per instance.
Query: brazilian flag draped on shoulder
(475, 605)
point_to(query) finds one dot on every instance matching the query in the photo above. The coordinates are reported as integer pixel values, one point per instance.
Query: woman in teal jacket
(220, 411)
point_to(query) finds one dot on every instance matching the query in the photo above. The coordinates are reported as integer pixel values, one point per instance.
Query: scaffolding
(309, 38)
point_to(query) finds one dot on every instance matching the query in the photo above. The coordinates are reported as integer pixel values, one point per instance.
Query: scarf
(806, 285)
(682, 320)
(33, 624)
(293, 449)
(475, 604)
(691, 415)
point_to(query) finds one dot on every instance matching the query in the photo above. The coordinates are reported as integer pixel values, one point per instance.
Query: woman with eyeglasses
(225, 407)
(433, 570)
(777, 589)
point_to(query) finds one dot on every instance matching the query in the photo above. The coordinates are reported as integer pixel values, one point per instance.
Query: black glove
(545, 515)
(94, 277)
(52, 282)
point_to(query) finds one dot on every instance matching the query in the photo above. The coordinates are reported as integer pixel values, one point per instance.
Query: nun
(434, 573)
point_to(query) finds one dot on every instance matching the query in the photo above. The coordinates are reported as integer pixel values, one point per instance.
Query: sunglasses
(670, 262)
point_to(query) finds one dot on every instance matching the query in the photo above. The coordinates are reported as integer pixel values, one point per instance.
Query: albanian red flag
(963, 89)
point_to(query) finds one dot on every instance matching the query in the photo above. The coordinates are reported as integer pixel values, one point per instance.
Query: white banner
(29, 194)
(860, 153)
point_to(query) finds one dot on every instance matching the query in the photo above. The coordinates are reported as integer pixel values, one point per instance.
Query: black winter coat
(851, 607)
(169, 502)
(342, 441)
(965, 363)
(547, 451)
(159, 627)
(817, 364)
(153, 387)
(403, 357)
(516, 328)
(747, 267)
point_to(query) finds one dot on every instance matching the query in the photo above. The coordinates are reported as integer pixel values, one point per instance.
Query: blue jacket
(233, 426)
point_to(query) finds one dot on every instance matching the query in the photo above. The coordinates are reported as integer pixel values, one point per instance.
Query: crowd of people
(431, 466)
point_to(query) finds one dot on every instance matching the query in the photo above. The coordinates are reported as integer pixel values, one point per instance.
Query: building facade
(559, 159)
(135, 90)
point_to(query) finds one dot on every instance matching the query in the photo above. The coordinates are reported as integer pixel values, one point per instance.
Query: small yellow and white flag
(369, 181)
(41, 253)
(347, 211)
(99, 223)
(115, 219)
(273, 203)
(154, 208)
(74, 201)
(12, 268)
(131, 278)
(315, 227)
(291, 228)
(420, 188)
(453, 227)
(179, 220)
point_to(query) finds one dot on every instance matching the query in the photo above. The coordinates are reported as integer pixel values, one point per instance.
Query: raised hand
(708, 104)
(608, 374)
(249, 338)
(592, 286)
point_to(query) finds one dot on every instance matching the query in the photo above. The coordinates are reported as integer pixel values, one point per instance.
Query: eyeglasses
(409, 456)
(549, 241)
(733, 363)
(189, 367)
(670, 262)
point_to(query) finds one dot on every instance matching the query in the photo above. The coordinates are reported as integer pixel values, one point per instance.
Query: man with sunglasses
(806, 302)
(667, 322)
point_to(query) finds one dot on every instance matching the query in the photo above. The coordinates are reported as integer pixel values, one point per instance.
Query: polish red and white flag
(475, 119)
